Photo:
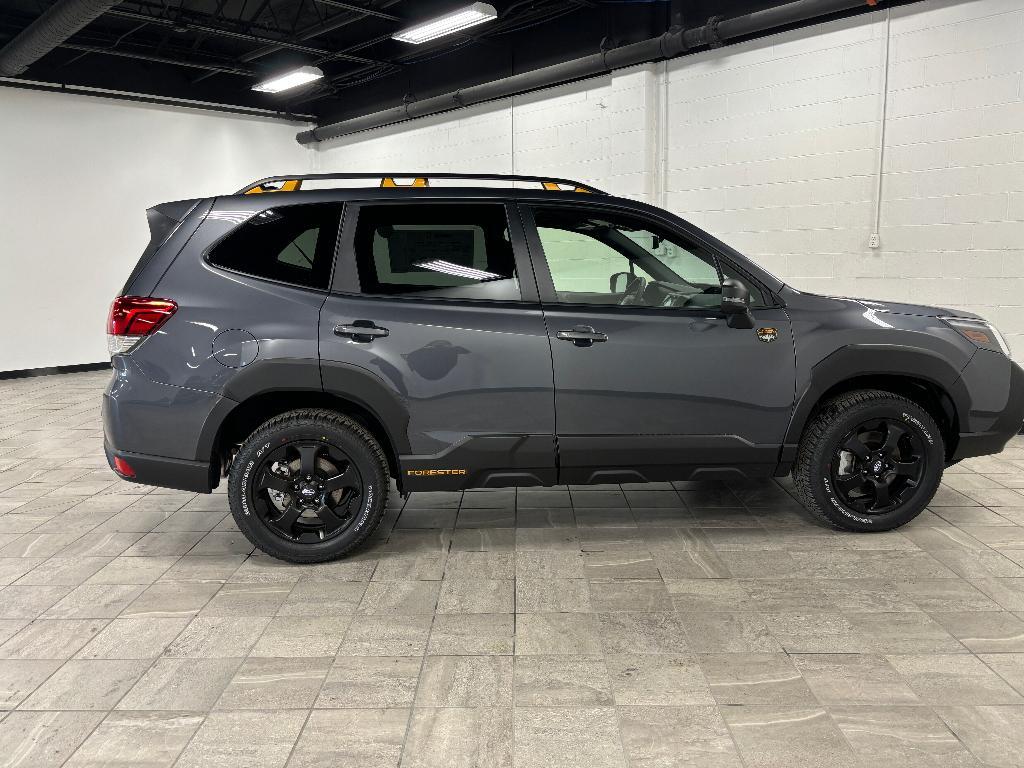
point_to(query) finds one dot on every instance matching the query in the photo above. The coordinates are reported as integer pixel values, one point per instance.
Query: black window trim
(340, 204)
(546, 285)
(345, 280)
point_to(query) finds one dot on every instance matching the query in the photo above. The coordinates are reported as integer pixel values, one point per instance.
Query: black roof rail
(293, 183)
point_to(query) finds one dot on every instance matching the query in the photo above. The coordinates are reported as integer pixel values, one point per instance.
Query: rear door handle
(363, 331)
(582, 336)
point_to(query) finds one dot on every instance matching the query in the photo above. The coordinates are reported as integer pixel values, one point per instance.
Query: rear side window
(445, 250)
(289, 244)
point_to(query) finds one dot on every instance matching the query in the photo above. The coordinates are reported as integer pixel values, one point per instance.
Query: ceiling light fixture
(470, 16)
(289, 80)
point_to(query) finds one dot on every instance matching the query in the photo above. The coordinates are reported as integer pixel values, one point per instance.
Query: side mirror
(736, 304)
(619, 282)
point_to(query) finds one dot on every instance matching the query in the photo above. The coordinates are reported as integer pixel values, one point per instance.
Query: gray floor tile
(465, 681)
(351, 738)
(302, 636)
(133, 639)
(899, 735)
(19, 677)
(44, 739)
(472, 634)
(953, 679)
(477, 737)
(367, 682)
(244, 740)
(755, 678)
(782, 736)
(677, 737)
(560, 681)
(993, 734)
(587, 737)
(150, 739)
(275, 684)
(853, 678)
(658, 680)
(190, 685)
(92, 684)
(217, 637)
(51, 639)
(387, 636)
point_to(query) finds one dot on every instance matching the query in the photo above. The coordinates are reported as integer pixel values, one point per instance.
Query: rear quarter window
(287, 244)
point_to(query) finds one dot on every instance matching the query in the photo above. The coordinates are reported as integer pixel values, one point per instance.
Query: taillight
(133, 318)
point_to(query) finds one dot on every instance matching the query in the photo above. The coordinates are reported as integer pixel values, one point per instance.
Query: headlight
(980, 333)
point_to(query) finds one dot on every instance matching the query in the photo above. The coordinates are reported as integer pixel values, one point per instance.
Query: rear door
(436, 302)
(650, 380)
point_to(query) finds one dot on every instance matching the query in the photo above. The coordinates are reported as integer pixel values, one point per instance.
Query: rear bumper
(163, 432)
(182, 474)
(1004, 426)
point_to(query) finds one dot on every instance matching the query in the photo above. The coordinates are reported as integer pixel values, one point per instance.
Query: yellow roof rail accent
(419, 181)
(554, 186)
(289, 185)
(293, 182)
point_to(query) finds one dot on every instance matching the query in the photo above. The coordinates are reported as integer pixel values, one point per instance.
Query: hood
(898, 308)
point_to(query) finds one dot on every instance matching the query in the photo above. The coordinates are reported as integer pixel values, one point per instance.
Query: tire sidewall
(243, 477)
(911, 416)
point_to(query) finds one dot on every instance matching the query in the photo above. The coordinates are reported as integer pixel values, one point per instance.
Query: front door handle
(582, 336)
(363, 331)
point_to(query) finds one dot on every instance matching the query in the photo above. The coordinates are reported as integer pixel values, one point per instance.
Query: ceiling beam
(244, 36)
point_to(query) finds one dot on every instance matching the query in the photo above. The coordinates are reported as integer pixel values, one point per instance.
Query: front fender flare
(855, 360)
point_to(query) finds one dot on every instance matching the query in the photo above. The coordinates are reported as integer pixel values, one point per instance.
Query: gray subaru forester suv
(465, 331)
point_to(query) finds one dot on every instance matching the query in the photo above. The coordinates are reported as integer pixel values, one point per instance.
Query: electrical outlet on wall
(874, 241)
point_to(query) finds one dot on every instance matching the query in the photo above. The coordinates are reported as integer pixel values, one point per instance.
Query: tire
(343, 454)
(843, 487)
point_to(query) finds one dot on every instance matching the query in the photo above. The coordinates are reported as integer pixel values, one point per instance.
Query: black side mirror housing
(736, 304)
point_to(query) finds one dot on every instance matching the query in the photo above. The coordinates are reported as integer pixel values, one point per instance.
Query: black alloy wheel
(308, 486)
(869, 460)
(878, 466)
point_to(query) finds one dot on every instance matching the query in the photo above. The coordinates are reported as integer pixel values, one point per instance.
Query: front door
(436, 303)
(650, 380)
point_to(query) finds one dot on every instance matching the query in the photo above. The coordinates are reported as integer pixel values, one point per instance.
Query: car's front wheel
(869, 461)
(308, 486)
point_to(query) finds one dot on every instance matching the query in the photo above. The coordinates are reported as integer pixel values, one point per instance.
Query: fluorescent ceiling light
(458, 270)
(477, 13)
(292, 79)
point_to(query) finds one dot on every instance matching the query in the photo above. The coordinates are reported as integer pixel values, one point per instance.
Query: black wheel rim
(878, 466)
(307, 491)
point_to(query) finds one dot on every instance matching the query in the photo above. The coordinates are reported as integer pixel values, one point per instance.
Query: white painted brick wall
(773, 145)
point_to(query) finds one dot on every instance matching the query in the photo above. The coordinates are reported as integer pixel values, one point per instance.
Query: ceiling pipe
(59, 22)
(669, 45)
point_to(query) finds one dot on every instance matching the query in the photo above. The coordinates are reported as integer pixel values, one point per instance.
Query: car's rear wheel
(869, 461)
(308, 486)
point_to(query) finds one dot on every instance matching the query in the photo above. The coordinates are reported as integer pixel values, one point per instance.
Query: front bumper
(1004, 424)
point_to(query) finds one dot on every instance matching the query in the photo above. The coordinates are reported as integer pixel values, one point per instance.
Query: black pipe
(59, 22)
(669, 45)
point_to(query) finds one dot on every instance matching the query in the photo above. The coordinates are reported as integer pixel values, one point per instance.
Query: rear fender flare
(348, 382)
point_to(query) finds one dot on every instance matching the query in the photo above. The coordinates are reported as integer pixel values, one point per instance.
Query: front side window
(289, 244)
(601, 258)
(443, 250)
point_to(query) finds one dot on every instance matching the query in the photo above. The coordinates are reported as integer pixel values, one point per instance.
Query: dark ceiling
(216, 50)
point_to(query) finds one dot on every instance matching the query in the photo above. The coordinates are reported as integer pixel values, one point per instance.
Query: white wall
(774, 145)
(76, 176)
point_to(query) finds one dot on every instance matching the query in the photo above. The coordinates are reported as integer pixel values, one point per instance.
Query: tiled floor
(649, 627)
